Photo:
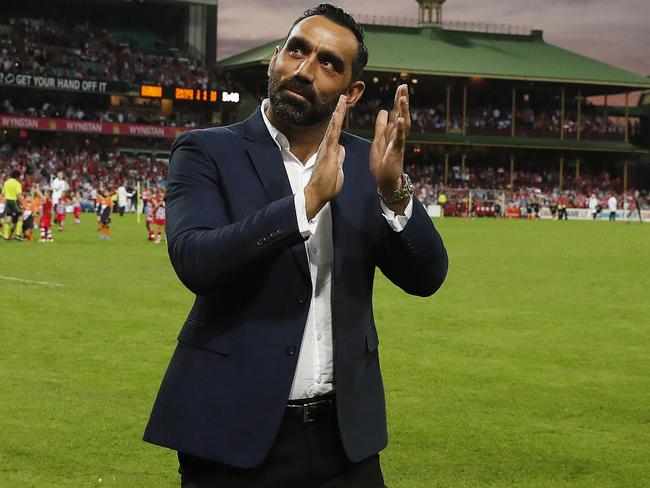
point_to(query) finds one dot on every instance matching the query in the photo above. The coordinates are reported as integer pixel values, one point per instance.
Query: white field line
(31, 282)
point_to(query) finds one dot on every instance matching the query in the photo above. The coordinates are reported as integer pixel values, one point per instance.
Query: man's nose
(305, 69)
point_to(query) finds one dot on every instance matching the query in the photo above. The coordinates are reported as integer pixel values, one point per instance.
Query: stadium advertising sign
(89, 127)
(151, 91)
(60, 83)
(585, 214)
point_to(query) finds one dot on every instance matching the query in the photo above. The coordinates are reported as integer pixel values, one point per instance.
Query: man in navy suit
(275, 381)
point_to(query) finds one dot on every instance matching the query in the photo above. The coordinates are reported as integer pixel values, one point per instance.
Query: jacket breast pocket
(372, 339)
(200, 335)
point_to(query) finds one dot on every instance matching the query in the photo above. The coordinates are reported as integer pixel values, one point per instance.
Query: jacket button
(291, 350)
(300, 299)
(272, 235)
(266, 239)
(259, 242)
(279, 232)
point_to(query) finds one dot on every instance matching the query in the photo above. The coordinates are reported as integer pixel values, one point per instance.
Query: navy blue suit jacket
(233, 240)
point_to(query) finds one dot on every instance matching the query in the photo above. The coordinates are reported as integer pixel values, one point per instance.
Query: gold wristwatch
(398, 195)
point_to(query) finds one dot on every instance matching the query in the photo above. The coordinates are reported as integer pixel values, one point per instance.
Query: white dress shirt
(314, 374)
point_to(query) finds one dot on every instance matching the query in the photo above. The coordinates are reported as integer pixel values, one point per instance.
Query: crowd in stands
(179, 118)
(363, 116)
(490, 119)
(80, 50)
(88, 172)
(492, 185)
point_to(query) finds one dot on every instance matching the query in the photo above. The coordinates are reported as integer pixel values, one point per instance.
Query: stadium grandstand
(502, 122)
(500, 118)
(110, 79)
(98, 90)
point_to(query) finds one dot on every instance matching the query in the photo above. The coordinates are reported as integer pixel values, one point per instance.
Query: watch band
(398, 195)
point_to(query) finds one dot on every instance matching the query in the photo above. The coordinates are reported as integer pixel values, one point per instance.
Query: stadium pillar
(512, 171)
(166, 108)
(448, 108)
(579, 121)
(562, 115)
(465, 108)
(627, 117)
(514, 108)
(446, 168)
(138, 209)
(625, 177)
(577, 168)
(561, 171)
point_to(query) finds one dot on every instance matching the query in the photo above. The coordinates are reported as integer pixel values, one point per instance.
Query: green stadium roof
(438, 52)
(516, 142)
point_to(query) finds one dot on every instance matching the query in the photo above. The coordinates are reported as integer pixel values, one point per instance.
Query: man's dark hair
(15, 174)
(341, 17)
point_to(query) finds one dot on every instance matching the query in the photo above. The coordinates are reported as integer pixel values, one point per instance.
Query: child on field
(46, 217)
(159, 216)
(60, 210)
(106, 211)
(76, 209)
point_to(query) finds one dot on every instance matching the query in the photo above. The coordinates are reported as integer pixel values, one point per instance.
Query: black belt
(311, 411)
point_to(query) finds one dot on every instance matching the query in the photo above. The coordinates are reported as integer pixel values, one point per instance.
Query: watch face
(398, 195)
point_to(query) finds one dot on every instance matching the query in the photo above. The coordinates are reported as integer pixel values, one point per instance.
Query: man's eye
(328, 65)
(296, 50)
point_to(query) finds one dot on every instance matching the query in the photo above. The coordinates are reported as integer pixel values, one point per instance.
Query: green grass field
(530, 367)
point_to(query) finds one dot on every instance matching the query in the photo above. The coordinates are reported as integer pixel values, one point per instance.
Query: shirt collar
(278, 137)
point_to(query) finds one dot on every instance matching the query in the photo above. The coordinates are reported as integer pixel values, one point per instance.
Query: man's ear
(273, 58)
(355, 91)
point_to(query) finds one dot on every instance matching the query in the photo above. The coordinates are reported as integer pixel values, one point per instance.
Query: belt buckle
(306, 419)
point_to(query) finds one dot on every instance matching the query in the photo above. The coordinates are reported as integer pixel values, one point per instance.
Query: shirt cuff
(307, 228)
(397, 222)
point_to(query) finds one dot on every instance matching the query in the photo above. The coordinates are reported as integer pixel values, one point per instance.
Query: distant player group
(22, 213)
(154, 210)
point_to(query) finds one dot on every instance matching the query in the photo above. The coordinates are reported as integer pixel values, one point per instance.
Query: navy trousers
(304, 455)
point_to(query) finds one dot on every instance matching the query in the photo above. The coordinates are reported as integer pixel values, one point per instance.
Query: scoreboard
(188, 94)
(195, 95)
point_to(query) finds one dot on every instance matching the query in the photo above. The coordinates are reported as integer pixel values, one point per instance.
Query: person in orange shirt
(105, 212)
(36, 207)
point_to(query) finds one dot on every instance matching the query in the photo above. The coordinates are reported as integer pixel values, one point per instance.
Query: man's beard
(309, 111)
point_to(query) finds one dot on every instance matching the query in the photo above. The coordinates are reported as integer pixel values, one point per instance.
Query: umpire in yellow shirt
(11, 190)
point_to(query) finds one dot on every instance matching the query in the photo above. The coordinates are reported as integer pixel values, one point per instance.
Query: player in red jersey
(46, 217)
(159, 217)
(76, 209)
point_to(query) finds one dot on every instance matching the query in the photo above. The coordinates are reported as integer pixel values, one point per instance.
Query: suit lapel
(266, 157)
(267, 160)
(270, 169)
